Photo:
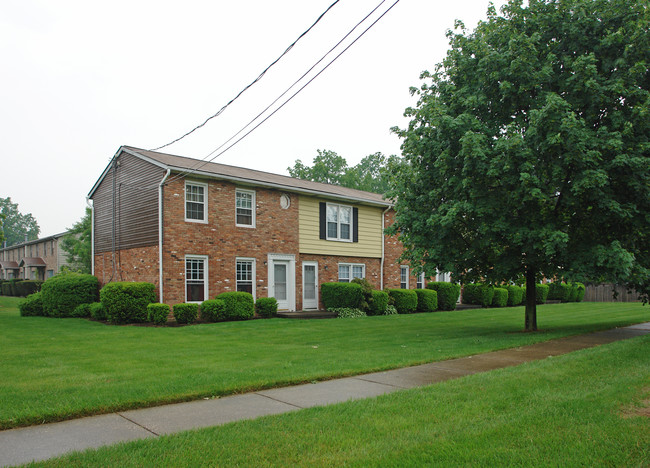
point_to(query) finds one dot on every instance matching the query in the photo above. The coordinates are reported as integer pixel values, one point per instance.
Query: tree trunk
(531, 303)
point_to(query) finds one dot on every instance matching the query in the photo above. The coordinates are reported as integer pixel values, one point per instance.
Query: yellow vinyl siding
(370, 236)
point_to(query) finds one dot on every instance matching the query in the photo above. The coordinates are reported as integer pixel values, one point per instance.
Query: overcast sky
(81, 78)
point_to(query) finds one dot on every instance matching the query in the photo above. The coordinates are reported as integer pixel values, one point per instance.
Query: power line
(196, 168)
(253, 82)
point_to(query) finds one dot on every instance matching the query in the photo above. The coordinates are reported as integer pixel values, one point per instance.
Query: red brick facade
(392, 252)
(139, 264)
(217, 242)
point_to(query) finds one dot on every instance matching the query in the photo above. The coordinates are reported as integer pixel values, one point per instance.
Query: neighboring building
(38, 259)
(217, 228)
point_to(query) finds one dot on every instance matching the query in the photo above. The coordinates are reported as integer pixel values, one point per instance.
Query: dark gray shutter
(323, 220)
(355, 224)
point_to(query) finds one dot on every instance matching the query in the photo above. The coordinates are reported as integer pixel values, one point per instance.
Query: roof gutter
(160, 234)
(288, 188)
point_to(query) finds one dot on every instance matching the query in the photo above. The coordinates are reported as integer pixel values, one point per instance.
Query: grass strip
(56, 369)
(587, 408)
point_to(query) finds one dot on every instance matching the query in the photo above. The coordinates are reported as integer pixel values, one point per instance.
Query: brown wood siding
(136, 205)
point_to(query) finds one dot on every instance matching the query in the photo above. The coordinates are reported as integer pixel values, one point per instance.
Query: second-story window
(245, 208)
(195, 202)
(339, 222)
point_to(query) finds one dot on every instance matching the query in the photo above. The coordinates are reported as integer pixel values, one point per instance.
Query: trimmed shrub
(558, 292)
(6, 288)
(348, 312)
(239, 305)
(63, 293)
(186, 313)
(581, 291)
(81, 311)
(213, 310)
(337, 295)
(515, 294)
(500, 297)
(27, 287)
(572, 293)
(31, 306)
(97, 311)
(378, 303)
(427, 300)
(404, 300)
(478, 294)
(541, 293)
(448, 294)
(127, 302)
(266, 306)
(157, 313)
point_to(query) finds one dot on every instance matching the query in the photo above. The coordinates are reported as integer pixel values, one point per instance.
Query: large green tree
(78, 244)
(16, 225)
(371, 174)
(528, 152)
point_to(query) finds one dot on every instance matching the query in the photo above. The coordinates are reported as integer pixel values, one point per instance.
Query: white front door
(282, 280)
(309, 285)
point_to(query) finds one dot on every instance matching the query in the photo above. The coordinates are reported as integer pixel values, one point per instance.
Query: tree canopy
(371, 174)
(78, 244)
(15, 225)
(528, 150)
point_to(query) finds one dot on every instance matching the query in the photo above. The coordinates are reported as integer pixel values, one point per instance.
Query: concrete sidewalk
(36, 443)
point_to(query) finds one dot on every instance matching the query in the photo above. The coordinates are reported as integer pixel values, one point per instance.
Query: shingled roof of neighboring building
(252, 176)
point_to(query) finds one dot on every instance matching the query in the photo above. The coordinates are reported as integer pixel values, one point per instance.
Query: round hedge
(404, 300)
(127, 302)
(62, 293)
(448, 294)
(500, 297)
(427, 300)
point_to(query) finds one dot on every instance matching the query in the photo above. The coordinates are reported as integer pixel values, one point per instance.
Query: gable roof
(250, 176)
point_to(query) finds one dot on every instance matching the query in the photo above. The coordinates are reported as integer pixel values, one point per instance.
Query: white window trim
(206, 282)
(205, 202)
(350, 265)
(422, 280)
(253, 207)
(401, 269)
(247, 259)
(338, 223)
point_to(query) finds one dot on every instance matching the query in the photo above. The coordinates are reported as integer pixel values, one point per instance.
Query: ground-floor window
(349, 271)
(420, 284)
(196, 278)
(245, 280)
(404, 277)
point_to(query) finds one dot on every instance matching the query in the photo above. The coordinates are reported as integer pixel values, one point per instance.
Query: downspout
(92, 236)
(383, 241)
(160, 235)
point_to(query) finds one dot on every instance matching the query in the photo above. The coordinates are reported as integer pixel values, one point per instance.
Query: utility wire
(252, 83)
(196, 168)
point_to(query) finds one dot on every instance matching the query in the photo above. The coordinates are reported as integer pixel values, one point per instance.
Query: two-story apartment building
(196, 229)
(38, 259)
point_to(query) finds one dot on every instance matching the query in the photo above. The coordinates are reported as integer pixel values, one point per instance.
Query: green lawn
(55, 369)
(587, 408)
